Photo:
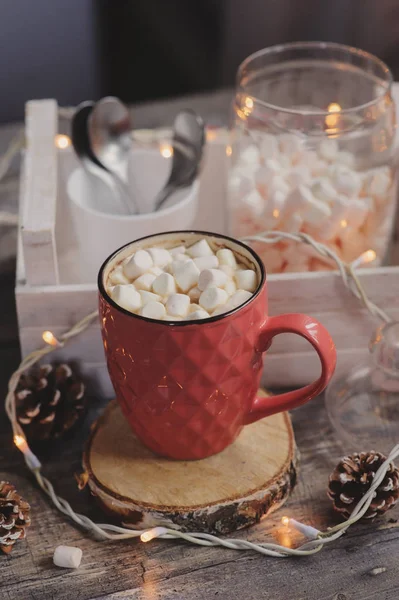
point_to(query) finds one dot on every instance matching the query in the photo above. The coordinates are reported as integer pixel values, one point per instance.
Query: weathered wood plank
(40, 193)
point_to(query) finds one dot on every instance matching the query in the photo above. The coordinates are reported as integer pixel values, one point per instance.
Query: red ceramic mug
(187, 388)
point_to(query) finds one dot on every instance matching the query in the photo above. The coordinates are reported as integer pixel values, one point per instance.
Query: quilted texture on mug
(185, 388)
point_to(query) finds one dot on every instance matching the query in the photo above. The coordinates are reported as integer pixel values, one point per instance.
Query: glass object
(363, 405)
(311, 150)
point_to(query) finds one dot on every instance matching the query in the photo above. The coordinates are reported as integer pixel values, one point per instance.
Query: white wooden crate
(50, 296)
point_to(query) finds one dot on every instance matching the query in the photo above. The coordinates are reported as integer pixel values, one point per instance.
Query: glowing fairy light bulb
(166, 150)
(249, 103)
(332, 119)
(149, 535)
(62, 141)
(20, 443)
(50, 338)
(365, 258)
(31, 459)
(306, 530)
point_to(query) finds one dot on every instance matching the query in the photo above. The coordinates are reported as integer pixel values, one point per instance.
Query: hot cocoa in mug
(185, 327)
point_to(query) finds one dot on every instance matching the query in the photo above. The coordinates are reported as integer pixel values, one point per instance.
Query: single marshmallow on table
(138, 264)
(212, 297)
(67, 557)
(160, 256)
(178, 305)
(186, 275)
(127, 297)
(200, 248)
(214, 277)
(164, 285)
(246, 280)
(117, 276)
(153, 310)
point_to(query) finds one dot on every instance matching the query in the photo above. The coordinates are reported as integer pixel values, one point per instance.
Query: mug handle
(318, 336)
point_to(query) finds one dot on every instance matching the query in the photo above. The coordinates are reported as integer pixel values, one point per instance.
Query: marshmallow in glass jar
(189, 283)
(302, 163)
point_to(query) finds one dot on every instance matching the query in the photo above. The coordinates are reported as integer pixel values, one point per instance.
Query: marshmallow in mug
(183, 283)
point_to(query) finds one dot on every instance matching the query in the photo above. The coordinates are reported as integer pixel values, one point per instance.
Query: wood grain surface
(222, 493)
(362, 565)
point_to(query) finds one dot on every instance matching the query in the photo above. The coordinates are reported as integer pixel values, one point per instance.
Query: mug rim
(107, 298)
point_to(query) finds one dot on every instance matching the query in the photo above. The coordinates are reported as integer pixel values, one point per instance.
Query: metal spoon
(81, 145)
(188, 143)
(110, 138)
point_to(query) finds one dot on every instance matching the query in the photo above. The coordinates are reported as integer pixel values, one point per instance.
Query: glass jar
(363, 405)
(311, 151)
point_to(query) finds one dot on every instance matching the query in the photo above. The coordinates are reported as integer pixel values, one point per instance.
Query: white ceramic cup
(99, 233)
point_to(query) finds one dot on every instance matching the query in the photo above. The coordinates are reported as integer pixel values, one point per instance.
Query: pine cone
(354, 475)
(49, 402)
(14, 516)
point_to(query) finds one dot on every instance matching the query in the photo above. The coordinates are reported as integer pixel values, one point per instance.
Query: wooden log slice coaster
(219, 494)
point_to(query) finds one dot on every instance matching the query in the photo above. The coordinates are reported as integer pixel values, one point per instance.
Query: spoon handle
(165, 193)
(125, 195)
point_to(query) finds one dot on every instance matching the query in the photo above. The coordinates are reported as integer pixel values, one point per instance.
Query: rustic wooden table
(174, 570)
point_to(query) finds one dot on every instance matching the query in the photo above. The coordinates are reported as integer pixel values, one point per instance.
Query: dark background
(141, 50)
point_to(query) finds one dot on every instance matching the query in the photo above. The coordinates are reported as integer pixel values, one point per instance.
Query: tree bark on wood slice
(220, 494)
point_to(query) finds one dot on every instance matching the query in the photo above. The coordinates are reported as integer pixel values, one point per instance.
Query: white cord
(113, 532)
(346, 270)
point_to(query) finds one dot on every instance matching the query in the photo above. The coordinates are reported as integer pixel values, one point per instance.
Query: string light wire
(113, 532)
